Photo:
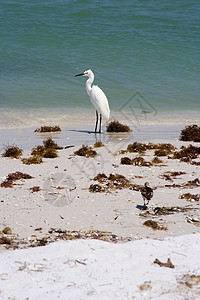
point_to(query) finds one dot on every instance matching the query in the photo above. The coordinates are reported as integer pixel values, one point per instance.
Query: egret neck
(89, 83)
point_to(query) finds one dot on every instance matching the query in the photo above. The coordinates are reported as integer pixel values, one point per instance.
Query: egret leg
(100, 124)
(97, 118)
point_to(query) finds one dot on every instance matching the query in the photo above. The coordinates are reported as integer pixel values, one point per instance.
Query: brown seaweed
(168, 264)
(85, 151)
(187, 153)
(116, 126)
(90, 234)
(160, 149)
(164, 149)
(191, 280)
(50, 153)
(7, 230)
(141, 162)
(101, 177)
(9, 181)
(48, 150)
(12, 151)
(32, 160)
(190, 133)
(189, 184)
(35, 189)
(50, 144)
(137, 147)
(98, 145)
(48, 129)
(169, 210)
(4, 240)
(113, 182)
(190, 197)
(154, 225)
(156, 161)
(171, 174)
(96, 188)
(126, 161)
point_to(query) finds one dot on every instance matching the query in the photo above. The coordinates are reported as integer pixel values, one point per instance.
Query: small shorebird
(147, 193)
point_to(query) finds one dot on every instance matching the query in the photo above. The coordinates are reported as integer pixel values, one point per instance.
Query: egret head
(86, 73)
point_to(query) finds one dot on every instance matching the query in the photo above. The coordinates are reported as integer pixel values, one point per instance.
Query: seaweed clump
(96, 188)
(156, 161)
(48, 150)
(40, 242)
(170, 175)
(191, 280)
(160, 149)
(35, 189)
(50, 153)
(186, 154)
(98, 144)
(32, 160)
(126, 161)
(190, 133)
(164, 149)
(137, 161)
(90, 234)
(7, 230)
(12, 177)
(154, 225)
(38, 151)
(116, 126)
(117, 181)
(189, 184)
(4, 240)
(12, 151)
(169, 210)
(159, 211)
(190, 197)
(85, 151)
(50, 144)
(48, 129)
(168, 264)
(137, 147)
(141, 162)
(113, 182)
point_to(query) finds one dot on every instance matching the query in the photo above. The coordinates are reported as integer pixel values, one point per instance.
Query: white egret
(97, 97)
(147, 193)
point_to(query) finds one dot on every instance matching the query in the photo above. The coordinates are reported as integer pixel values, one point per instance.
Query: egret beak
(80, 74)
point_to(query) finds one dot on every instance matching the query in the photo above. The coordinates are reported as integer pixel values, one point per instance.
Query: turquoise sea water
(151, 47)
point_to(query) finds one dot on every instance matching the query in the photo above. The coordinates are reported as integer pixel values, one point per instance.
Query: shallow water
(26, 138)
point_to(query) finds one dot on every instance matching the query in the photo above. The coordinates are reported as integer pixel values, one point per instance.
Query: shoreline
(78, 117)
(17, 126)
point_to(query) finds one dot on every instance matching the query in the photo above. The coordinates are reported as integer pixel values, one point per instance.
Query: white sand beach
(64, 202)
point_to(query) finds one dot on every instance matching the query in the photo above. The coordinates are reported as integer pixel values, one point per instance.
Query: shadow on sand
(86, 131)
(142, 207)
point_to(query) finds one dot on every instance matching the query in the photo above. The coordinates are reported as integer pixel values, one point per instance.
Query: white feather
(100, 101)
(97, 97)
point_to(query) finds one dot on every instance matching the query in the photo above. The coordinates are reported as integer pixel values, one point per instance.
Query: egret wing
(100, 101)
